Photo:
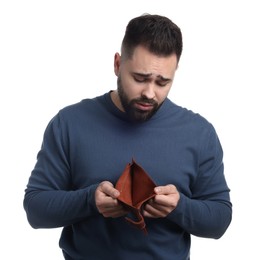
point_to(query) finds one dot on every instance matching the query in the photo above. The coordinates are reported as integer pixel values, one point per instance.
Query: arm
(203, 218)
(208, 211)
(50, 198)
(57, 208)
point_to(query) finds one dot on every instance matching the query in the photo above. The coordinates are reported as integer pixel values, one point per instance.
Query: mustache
(144, 100)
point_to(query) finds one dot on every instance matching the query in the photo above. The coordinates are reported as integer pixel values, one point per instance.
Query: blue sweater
(92, 141)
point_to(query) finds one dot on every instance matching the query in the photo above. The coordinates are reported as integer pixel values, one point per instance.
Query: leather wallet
(135, 187)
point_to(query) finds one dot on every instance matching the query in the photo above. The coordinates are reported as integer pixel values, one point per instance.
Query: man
(86, 147)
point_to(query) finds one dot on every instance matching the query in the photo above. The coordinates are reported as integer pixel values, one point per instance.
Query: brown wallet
(135, 187)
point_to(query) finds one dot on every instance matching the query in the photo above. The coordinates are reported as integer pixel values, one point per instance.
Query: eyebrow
(147, 75)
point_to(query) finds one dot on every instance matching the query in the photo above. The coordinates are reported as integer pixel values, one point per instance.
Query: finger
(166, 190)
(161, 204)
(156, 210)
(153, 212)
(165, 200)
(113, 210)
(114, 213)
(108, 188)
(110, 203)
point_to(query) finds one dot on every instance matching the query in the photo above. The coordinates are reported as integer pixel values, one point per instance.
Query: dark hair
(157, 33)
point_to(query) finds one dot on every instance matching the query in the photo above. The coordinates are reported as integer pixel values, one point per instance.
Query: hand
(163, 203)
(106, 200)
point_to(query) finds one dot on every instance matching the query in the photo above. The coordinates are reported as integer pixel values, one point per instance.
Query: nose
(148, 91)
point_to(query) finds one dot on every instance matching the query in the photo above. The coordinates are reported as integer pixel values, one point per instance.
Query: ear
(117, 60)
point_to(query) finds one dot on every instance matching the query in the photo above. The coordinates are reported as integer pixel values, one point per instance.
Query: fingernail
(116, 193)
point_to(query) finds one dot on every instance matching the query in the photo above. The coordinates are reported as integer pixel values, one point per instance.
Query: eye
(140, 79)
(162, 83)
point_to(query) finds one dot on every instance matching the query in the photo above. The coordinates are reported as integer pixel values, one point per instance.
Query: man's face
(143, 82)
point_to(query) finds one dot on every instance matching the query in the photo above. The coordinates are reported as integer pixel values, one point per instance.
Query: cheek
(132, 89)
(161, 94)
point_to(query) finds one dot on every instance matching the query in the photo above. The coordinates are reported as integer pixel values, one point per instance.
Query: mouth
(143, 106)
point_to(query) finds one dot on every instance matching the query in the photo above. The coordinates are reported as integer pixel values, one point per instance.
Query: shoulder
(188, 125)
(82, 108)
(80, 112)
(183, 116)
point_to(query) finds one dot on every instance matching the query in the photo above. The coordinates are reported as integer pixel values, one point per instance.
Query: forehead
(143, 61)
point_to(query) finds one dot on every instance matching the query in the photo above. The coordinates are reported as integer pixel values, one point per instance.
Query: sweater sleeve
(50, 200)
(208, 211)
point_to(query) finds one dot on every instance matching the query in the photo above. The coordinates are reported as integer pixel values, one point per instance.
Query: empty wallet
(135, 187)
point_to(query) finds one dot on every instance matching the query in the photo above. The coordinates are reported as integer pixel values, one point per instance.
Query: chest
(166, 155)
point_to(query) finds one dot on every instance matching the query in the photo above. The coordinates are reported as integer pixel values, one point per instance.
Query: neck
(116, 100)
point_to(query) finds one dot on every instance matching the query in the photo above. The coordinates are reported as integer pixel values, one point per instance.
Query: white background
(54, 53)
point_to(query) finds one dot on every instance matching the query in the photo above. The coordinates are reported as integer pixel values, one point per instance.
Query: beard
(134, 113)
